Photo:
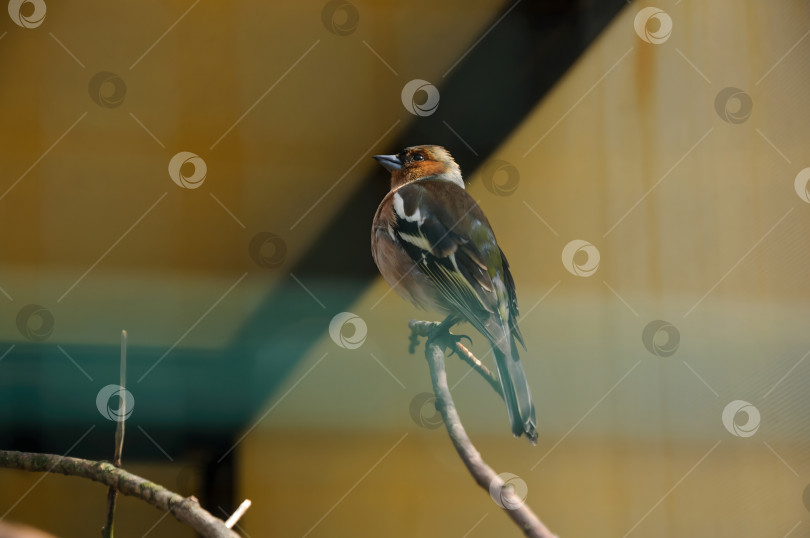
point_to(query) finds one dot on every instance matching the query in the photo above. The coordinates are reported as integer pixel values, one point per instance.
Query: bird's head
(419, 162)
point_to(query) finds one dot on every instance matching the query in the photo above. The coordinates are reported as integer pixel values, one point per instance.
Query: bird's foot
(454, 340)
(441, 335)
(438, 333)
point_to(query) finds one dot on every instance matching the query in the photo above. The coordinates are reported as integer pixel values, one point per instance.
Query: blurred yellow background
(686, 192)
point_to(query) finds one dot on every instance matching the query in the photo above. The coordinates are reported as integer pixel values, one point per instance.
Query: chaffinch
(435, 248)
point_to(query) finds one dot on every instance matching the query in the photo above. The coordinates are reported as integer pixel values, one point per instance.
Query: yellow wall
(587, 486)
(620, 428)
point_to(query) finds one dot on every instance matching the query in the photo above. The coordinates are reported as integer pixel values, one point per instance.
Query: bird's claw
(455, 339)
(440, 334)
(449, 340)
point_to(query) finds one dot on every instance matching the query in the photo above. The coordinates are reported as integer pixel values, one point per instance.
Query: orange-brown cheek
(427, 168)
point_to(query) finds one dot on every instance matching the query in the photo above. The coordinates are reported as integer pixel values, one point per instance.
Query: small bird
(435, 247)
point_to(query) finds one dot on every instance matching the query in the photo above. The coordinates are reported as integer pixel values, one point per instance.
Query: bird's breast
(399, 270)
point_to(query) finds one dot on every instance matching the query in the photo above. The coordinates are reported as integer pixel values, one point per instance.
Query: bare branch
(186, 509)
(483, 474)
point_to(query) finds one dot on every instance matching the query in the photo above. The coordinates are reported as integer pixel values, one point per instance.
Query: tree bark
(186, 509)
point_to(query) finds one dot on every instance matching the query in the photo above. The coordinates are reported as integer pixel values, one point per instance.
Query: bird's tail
(516, 391)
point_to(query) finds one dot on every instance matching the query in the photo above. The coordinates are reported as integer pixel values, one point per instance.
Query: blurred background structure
(645, 169)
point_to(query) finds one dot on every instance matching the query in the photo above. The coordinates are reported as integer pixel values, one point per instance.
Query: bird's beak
(389, 162)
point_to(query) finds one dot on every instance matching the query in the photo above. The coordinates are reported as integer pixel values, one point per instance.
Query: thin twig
(186, 509)
(424, 328)
(107, 529)
(112, 493)
(122, 412)
(238, 513)
(483, 474)
(467, 356)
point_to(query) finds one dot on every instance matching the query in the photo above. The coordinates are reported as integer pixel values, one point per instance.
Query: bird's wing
(512, 301)
(444, 231)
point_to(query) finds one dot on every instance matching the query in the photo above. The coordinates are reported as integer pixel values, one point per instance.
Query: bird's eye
(418, 157)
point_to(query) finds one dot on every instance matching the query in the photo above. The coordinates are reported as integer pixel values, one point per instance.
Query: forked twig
(483, 474)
